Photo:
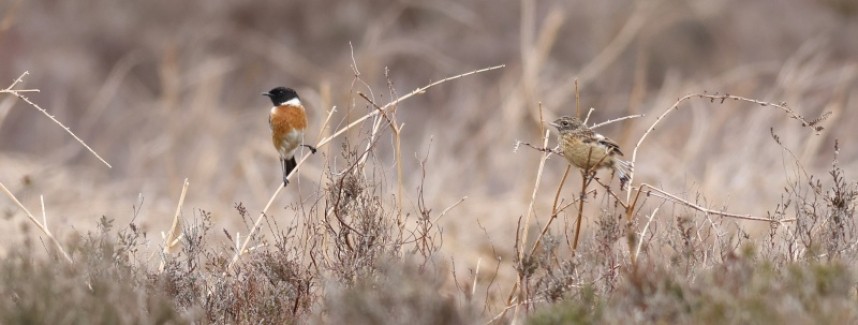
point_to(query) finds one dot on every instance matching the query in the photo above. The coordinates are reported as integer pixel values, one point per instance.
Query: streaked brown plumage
(589, 150)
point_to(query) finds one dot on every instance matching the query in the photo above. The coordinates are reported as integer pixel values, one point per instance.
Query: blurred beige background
(168, 90)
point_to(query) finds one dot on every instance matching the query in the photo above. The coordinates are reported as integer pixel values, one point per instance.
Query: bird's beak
(554, 124)
(266, 94)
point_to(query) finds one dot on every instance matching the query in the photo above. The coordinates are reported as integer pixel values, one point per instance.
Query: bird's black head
(281, 95)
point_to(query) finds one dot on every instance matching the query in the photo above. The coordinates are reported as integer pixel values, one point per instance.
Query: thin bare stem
(641, 239)
(587, 176)
(714, 212)
(577, 100)
(521, 241)
(782, 106)
(17, 81)
(554, 211)
(443, 213)
(530, 211)
(476, 276)
(584, 183)
(44, 212)
(173, 237)
(418, 91)
(17, 93)
(327, 121)
(617, 120)
(42, 227)
(540, 149)
(589, 112)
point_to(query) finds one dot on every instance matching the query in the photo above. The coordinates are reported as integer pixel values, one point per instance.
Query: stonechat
(287, 120)
(589, 150)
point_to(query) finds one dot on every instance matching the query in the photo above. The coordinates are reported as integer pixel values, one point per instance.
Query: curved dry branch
(717, 97)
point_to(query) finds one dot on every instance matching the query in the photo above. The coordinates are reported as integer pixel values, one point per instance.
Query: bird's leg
(591, 175)
(285, 174)
(312, 148)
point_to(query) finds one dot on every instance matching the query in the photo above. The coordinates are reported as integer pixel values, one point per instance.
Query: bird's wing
(603, 141)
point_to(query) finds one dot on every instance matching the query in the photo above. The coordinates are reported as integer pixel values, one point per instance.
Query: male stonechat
(287, 121)
(589, 150)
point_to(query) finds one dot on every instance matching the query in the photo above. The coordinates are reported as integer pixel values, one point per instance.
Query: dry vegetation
(423, 207)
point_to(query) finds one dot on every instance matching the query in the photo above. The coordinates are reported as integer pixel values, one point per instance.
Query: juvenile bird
(287, 121)
(589, 150)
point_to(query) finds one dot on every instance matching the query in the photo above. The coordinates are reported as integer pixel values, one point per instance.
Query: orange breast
(284, 120)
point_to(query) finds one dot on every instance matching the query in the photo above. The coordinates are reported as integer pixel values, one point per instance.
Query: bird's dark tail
(288, 166)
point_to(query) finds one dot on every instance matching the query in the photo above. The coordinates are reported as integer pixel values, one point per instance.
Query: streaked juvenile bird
(287, 120)
(589, 150)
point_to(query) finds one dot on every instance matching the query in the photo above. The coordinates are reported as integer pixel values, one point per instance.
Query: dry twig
(41, 226)
(174, 235)
(17, 93)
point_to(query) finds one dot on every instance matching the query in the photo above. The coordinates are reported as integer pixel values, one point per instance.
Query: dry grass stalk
(587, 177)
(42, 226)
(642, 236)
(17, 93)
(174, 235)
(555, 211)
(710, 211)
(530, 211)
(597, 125)
(522, 242)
